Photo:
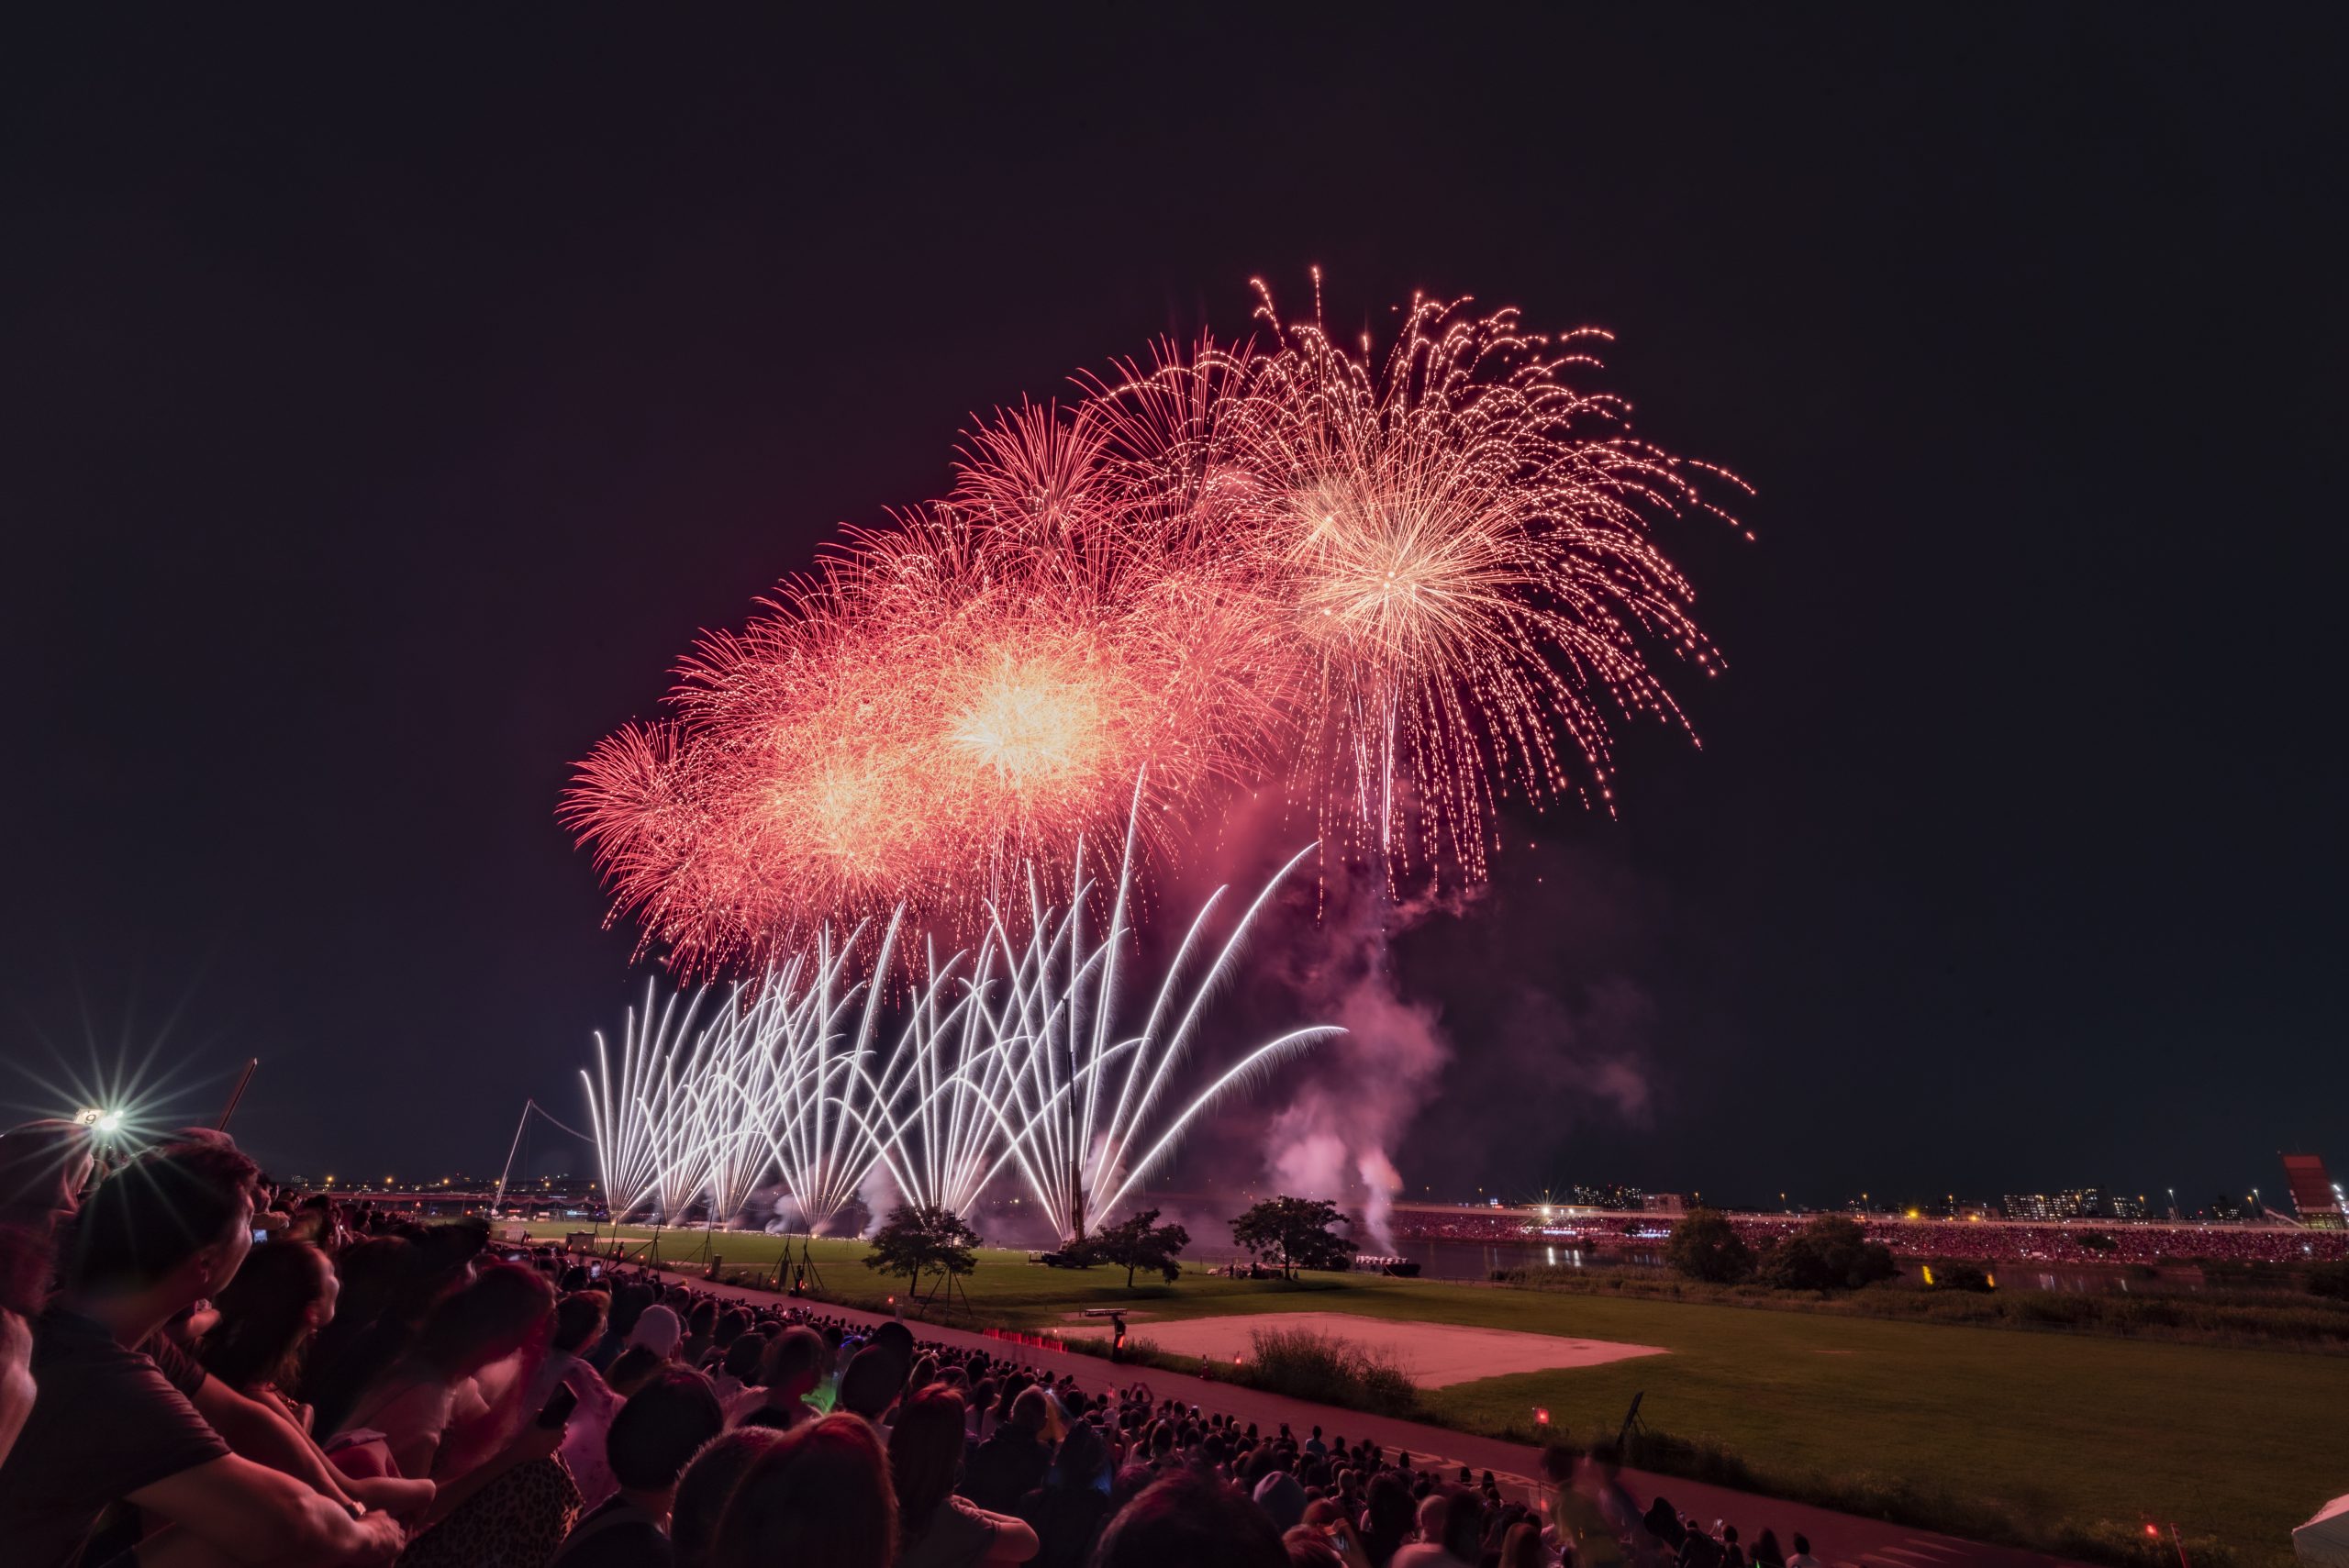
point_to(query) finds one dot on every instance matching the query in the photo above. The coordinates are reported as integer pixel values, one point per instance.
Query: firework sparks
(1011, 1065)
(1401, 588)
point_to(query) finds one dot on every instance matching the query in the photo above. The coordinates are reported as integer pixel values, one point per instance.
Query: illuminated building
(2314, 1194)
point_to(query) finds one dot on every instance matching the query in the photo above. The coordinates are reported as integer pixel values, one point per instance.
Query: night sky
(383, 412)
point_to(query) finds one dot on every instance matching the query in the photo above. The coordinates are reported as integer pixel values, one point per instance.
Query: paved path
(1841, 1540)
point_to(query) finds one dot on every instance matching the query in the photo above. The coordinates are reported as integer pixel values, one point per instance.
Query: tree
(1296, 1231)
(1832, 1252)
(1706, 1246)
(1138, 1242)
(918, 1238)
(2097, 1242)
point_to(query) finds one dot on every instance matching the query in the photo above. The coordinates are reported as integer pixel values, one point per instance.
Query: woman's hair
(1389, 1515)
(632, 1369)
(1187, 1519)
(820, 1493)
(505, 1307)
(578, 1319)
(1083, 1456)
(44, 1167)
(1522, 1548)
(925, 1455)
(742, 1357)
(660, 1428)
(264, 1326)
(706, 1486)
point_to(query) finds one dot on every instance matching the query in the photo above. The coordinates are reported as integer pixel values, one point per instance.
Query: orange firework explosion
(1408, 588)
(975, 688)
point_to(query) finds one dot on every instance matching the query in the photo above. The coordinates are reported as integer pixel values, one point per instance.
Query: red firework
(1404, 589)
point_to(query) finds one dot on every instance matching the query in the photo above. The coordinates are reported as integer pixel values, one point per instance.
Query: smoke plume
(1337, 1137)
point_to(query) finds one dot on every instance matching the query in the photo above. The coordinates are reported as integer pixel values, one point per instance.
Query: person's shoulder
(67, 1339)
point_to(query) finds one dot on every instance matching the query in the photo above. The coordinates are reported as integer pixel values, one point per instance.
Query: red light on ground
(1541, 1416)
(2154, 1531)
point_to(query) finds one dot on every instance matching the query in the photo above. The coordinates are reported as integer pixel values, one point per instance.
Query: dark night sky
(381, 412)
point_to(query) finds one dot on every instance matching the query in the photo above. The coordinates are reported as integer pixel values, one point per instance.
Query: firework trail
(1011, 1065)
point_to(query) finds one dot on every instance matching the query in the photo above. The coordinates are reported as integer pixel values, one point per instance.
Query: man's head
(663, 1425)
(794, 1363)
(873, 1380)
(1029, 1410)
(176, 1221)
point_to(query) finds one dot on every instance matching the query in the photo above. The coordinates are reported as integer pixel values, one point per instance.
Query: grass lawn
(2239, 1444)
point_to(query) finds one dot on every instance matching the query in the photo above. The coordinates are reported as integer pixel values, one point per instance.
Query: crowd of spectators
(2068, 1243)
(195, 1371)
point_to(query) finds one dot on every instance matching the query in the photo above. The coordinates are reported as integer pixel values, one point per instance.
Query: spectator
(1662, 1521)
(1012, 1462)
(657, 1330)
(1522, 1548)
(1282, 1499)
(737, 1364)
(578, 1324)
(705, 1487)
(1767, 1551)
(793, 1367)
(632, 1369)
(935, 1528)
(870, 1386)
(1069, 1509)
(628, 1302)
(115, 1422)
(1452, 1534)
(819, 1494)
(44, 1167)
(280, 1300)
(1187, 1521)
(454, 1409)
(1388, 1518)
(655, 1434)
(1802, 1557)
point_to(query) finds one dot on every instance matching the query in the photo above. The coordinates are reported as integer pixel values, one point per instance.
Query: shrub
(1305, 1363)
(1706, 1246)
(1832, 1252)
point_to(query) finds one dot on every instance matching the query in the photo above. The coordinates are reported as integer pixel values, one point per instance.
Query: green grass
(2239, 1444)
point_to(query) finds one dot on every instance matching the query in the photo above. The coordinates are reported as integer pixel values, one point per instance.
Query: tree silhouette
(1296, 1231)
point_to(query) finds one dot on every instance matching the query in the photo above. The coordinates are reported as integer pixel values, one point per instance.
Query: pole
(237, 1094)
(500, 1201)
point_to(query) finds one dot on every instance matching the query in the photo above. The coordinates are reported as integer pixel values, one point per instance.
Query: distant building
(2127, 1207)
(2025, 1206)
(1662, 1203)
(2314, 1196)
(2082, 1203)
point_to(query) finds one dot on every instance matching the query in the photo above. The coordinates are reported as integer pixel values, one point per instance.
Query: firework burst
(1456, 543)
(1400, 587)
